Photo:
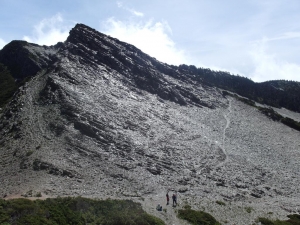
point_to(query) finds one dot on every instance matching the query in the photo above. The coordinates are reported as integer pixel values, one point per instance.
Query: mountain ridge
(264, 92)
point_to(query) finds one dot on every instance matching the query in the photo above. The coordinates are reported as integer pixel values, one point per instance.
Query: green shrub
(265, 221)
(293, 220)
(39, 194)
(75, 211)
(269, 112)
(248, 209)
(220, 203)
(197, 217)
(291, 123)
(187, 206)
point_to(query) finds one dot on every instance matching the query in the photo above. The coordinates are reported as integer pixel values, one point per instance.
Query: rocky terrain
(99, 118)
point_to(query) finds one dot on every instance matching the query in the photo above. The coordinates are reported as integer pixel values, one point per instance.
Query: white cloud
(49, 31)
(132, 11)
(285, 36)
(2, 43)
(136, 13)
(270, 66)
(151, 38)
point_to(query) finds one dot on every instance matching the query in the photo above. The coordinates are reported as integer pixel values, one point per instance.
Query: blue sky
(258, 39)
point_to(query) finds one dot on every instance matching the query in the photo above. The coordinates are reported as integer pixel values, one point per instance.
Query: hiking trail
(226, 116)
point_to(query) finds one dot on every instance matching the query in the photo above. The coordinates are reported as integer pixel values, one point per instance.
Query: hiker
(168, 198)
(159, 207)
(174, 197)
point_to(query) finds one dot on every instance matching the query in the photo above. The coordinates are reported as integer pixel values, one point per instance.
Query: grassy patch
(74, 211)
(248, 209)
(197, 217)
(220, 203)
(294, 219)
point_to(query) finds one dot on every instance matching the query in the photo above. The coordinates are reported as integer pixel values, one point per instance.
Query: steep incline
(105, 119)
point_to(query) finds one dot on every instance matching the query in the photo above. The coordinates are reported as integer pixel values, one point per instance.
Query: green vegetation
(7, 85)
(73, 211)
(248, 209)
(294, 219)
(291, 123)
(197, 217)
(245, 100)
(277, 117)
(39, 194)
(220, 203)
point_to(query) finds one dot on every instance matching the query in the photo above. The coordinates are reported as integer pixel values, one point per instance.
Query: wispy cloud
(285, 36)
(152, 38)
(136, 13)
(2, 43)
(269, 66)
(132, 11)
(49, 31)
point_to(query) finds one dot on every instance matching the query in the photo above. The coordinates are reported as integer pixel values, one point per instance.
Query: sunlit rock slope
(101, 118)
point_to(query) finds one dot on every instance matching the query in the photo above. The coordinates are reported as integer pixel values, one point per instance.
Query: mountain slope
(104, 119)
(273, 93)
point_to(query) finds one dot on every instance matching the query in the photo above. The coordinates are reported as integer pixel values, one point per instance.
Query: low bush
(248, 209)
(75, 211)
(294, 219)
(220, 203)
(197, 217)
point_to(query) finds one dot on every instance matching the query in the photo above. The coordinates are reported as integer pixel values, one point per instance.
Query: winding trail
(226, 116)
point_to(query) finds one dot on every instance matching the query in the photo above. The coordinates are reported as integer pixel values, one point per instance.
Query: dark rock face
(101, 118)
(24, 59)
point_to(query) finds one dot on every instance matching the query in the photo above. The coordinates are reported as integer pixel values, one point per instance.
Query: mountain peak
(82, 33)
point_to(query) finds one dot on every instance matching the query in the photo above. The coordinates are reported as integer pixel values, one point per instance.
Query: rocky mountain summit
(100, 118)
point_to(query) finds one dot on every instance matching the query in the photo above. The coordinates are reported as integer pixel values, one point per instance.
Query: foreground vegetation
(197, 217)
(293, 220)
(75, 211)
(202, 218)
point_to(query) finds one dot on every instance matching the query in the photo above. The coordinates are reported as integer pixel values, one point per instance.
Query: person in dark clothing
(174, 198)
(159, 207)
(168, 198)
